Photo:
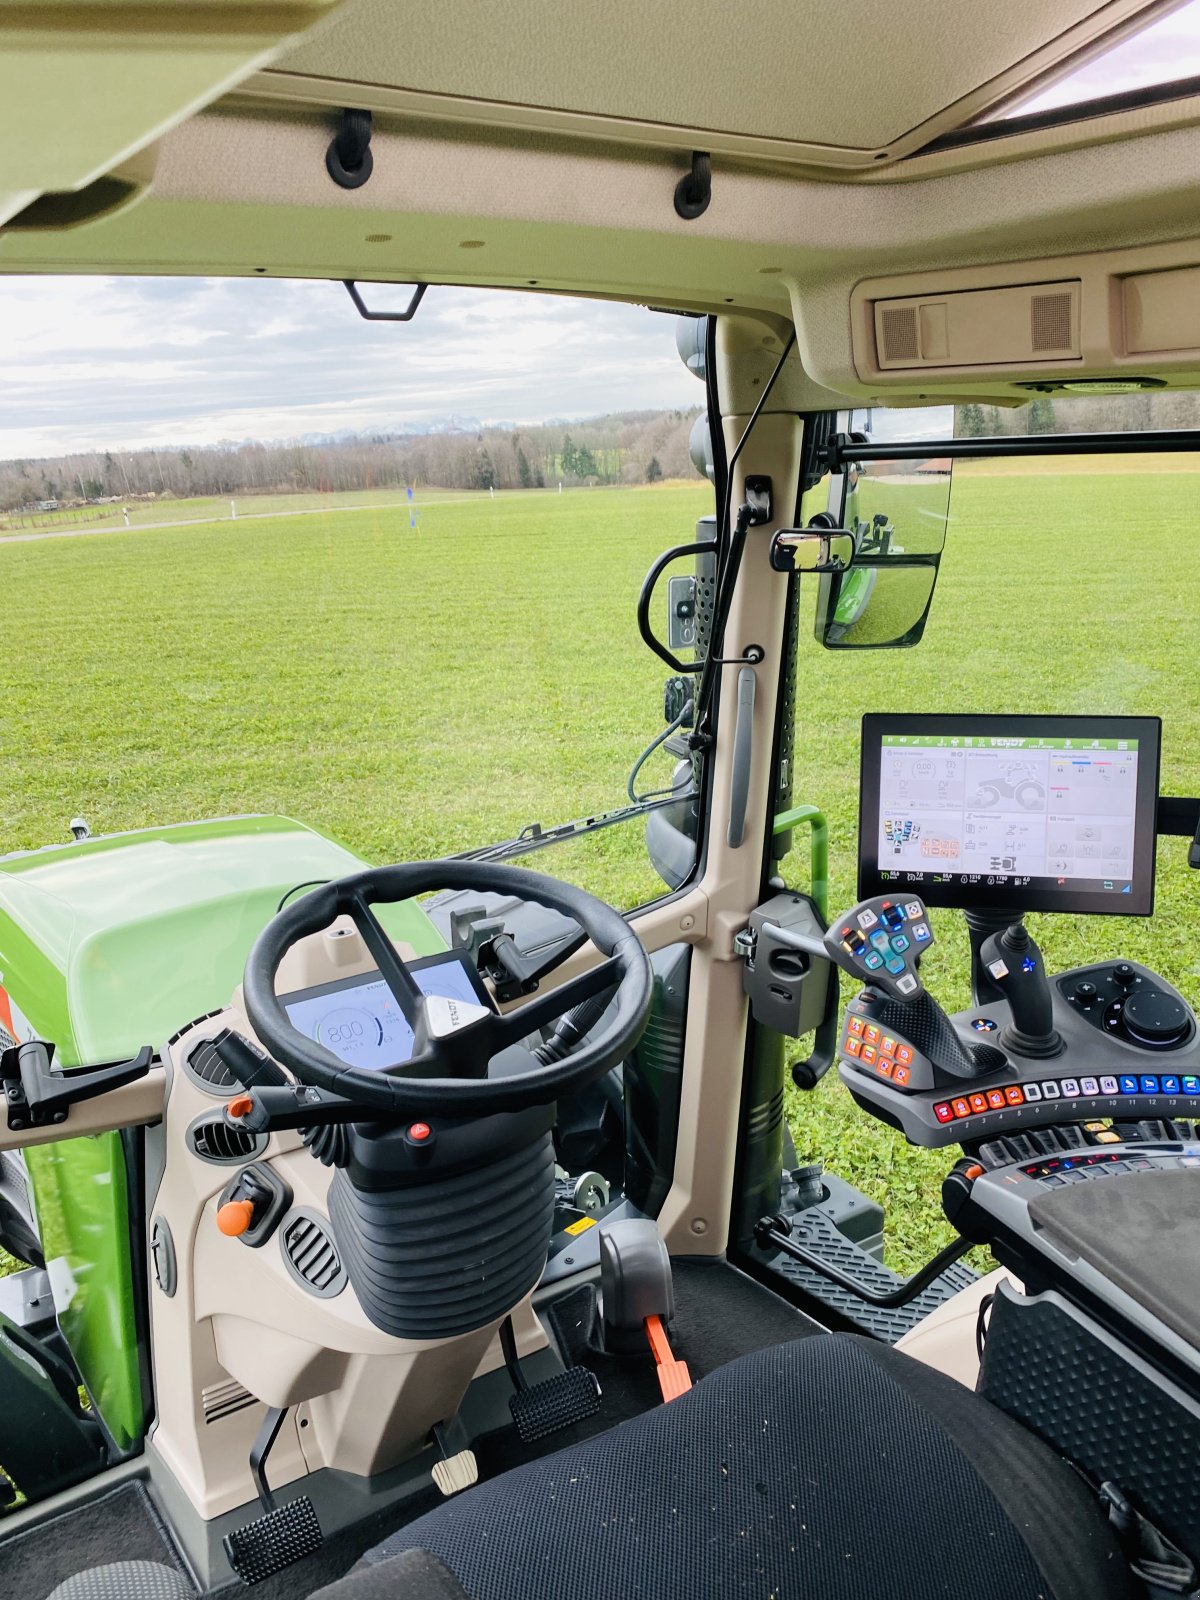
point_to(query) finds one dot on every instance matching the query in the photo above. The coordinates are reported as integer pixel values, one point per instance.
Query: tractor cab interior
(471, 1220)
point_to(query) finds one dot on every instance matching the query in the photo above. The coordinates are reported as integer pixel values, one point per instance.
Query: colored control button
(914, 909)
(885, 1066)
(1170, 1084)
(1088, 1086)
(235, 1218)
(942, 1112)
(1128, 1084)
(1109, 1086)
(920, 932)
(1149, 1084)
(983, 1024)
(960, 1107)
(894, 963)
(419, 1132)
(852, 1046)
(1033, 1091)
(867, 919)
(854, 1025)
(1050, 1090)
(880, 940)
(1191, 1085)
(1070, 1088)
(995, 1099)
(902, 1076)
(979, 1103)
(855, 943)
(872, 960)
(907, 984)
(887, 1045)
(903, 1054)
(893, 917)
(1014, 1095)
(871, 1033)
(899, 943)
(868, 1055)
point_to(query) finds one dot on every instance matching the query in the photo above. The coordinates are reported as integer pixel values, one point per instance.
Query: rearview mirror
(872, 606)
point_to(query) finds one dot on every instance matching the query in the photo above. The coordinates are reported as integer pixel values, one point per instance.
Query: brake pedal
(284, 1534)
(540, 1409)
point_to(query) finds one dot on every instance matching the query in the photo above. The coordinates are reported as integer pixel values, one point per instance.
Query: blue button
(899, 944)
(894, 964)
(920, 932)
(873, 960)
(1191, 1085)
(1149, 1085)
(893, 917)
(1029, 964)
(1170, 1085)
(1129, 1084)
(880, 940)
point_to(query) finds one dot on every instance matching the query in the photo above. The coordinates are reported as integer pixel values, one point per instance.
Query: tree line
(626, 447)
(1112, 413)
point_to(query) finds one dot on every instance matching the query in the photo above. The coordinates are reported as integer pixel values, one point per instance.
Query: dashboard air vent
(207, 1068)
(311, 1255)
(212, 1139)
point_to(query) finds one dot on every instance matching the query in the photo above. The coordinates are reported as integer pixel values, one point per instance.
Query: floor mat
(122, 1525)
(720, 1314)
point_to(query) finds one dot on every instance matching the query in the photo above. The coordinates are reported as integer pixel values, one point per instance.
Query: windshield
(267, 557)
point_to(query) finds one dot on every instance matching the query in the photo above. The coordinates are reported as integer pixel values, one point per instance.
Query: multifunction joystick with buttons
(1014, 963)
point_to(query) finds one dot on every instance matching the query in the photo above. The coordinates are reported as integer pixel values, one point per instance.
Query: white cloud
(106, 362)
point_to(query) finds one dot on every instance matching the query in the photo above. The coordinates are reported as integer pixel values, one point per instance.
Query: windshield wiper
(535, 837)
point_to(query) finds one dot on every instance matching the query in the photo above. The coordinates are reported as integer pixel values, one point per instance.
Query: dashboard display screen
(359, 1021)
(1026, 813)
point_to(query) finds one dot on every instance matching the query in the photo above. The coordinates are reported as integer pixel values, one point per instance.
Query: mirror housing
(812, 549)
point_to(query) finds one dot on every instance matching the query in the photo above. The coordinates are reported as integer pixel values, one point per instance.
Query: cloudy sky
(101, 362)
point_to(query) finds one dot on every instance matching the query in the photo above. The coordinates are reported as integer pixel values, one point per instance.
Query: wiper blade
(535, 837)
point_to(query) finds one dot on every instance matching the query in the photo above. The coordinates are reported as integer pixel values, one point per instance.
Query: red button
(979, 1102)
(943, 1112)
(901, 1076)
(420, 1131)
(961, 1108)
(888, 1046)
(996, 1099)
(885, 1067)
(855, 1026)
(868, 1055)
(903, 1055)
(853, 1046)
(871, 1034)
(1015, 1095)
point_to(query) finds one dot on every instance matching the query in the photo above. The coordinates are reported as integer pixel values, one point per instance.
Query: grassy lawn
(420, 693)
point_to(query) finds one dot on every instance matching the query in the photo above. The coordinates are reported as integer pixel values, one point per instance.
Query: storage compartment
(1161, 311)
(1022, 323)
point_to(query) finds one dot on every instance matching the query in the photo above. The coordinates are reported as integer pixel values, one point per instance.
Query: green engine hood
(117, 942)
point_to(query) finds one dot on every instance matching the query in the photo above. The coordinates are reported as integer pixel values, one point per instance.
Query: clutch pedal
(284, 1534)
(540, 1409)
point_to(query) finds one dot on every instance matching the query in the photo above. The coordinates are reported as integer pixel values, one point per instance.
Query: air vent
(207, 1069)
(223, 1399)
(211, 1138)
(1050, 322)
(311, 1255)
(899, 327)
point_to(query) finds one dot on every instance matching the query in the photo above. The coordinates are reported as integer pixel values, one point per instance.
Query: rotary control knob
(1085, 993)
(1124, 974)
(1155, 1020)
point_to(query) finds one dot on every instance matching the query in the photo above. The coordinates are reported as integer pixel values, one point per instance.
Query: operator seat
(832, 1468)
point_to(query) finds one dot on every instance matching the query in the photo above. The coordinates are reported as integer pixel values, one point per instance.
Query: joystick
(1014, 963)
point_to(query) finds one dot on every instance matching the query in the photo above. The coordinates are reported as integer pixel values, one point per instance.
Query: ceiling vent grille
(899, 324)
(207, 1068)
(212, 1139)
(311, 1255)
(1050, 322)
(223, 1399)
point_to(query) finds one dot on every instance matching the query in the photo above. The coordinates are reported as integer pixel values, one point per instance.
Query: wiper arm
(535, 837)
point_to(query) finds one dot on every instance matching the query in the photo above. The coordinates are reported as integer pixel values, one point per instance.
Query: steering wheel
(446, 1073)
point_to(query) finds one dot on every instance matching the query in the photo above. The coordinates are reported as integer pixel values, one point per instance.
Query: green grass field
(420, 693)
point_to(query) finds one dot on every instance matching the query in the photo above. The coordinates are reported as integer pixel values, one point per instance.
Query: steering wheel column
(443, 1198)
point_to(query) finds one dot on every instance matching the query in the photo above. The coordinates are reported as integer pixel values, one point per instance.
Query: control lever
(38, 1093)
(251, 1066)
(1014, 963)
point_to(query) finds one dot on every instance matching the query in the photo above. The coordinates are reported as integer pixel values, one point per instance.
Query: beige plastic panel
(84, 84)
(1162, 311)
(984, 327)
(945, 1339)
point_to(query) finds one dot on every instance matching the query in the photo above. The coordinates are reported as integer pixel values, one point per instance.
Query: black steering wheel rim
(626, 968)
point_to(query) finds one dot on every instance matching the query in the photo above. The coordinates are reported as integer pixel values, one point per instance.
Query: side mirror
(811, 550)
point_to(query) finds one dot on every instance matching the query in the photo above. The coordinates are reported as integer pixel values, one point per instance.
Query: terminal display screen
(361, 1023)
(1027, 813)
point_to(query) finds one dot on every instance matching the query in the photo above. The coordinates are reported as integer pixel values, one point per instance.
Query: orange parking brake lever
(673, 1376)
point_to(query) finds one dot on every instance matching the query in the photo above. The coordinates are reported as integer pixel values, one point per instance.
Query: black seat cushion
(828, 1469)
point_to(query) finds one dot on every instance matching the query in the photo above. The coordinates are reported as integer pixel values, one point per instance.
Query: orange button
(901, 1076)
(995, 1098)
(979, 1102)
(903, 1054)
(1015, 1095)
(241, 1107)
(855, 1025)
(973, 1171)
(868, 1055)
(853, 1046)
(235, 1217)
(871, 1033)
(885, 1066)
(960, 1108)
(889, 1045)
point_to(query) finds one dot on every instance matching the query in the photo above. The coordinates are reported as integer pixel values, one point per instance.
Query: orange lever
(235, 1217)
(673, 1376)
(241, 1106)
